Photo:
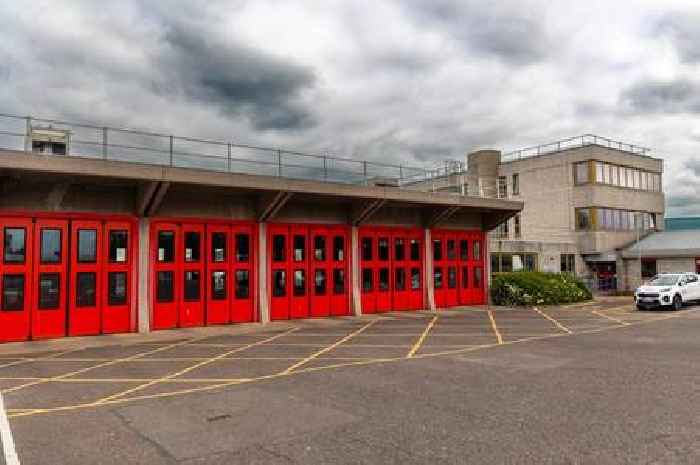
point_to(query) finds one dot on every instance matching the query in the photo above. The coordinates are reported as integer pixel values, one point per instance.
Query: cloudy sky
(416, 81)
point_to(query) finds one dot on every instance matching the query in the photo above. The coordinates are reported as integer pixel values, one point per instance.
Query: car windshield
(664, 280)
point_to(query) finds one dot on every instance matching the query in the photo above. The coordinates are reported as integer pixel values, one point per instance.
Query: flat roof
(666, 244)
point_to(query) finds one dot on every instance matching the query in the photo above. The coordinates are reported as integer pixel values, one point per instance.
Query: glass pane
(85, 289)
(320, 248)
(299, 248)
(415, 250)
(477, 277)
(582, 173)
(495, 263)
(165, 287)
(384, 279)
(415, 278)
(15, 245)
(338, 281)
(465, 277)
(463, 249)
(13, 292)
(383, 248)
(438, 278)
(50, 246)
(218, 247)
(243, 284)
(299, 283)
(452, 277)
(278, 248)
(279, 283)
(192, 287)
(338, 248)
(320, 282)
(118, 241)
(506, 263)
(192, 246)
(476, 255)
(367, 248)
(399, 249)
(166, 246)
(451, 250)
(117, 288)
(243, 247)
(87, 245)
(400, 279)
(367, 284)
(49, 291)
(218, 285)
(437, 249)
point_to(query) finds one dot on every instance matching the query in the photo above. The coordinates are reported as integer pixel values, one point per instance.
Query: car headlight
(665, 289)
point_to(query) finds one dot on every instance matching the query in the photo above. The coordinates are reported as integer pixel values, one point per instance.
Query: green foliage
(537, 288)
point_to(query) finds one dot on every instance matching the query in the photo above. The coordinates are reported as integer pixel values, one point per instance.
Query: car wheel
(677, 302)
(640, 308)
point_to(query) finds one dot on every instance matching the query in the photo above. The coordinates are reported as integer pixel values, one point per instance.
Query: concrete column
(263, 295)
(144, 271)
(428, 284)
(355, 289)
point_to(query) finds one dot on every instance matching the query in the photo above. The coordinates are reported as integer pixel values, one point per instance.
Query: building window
(502, 187)
(648, 267)
(568, 263)
(611, 219)
(516, 226)
(581, 173)
(501, 231)
(583, 219)
(516, 184)
(506, 262)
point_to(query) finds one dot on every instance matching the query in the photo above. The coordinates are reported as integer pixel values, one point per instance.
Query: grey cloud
(684, 32)
(693, 165)
(677, 96)
(506, 30)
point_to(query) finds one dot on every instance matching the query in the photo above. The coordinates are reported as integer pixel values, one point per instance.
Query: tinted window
(320, 282)
(338, 281)
(118, 241)
(437, 249)
(400, 279)
(12, 292)
(299, 248)
(166, 246)
(243, 284)
(192, 246)
(117, 288)
(463, 249)
(218, 247)
(278, 248)
(218, 285)
(192, 285)
(338, 248)
(320, 248)
(383, 248)
(367, 248)
(87, 245)
(452, 277)
(415, 278)
(438, 278)
(451, 250)
(15, 245)
(50, 245)
(477, 277)
(399, 249)
(164, 286)
(299, 283)
(367, 284)
(85, 289)
(476, 255)
(415, 249)
(279, 283)
(49, 291)
(384, 279)
(243, 247)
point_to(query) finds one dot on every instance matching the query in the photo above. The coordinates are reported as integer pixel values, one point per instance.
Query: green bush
(536, 288)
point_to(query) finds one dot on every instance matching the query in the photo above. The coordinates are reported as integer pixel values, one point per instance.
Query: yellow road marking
(612, 318)
(499, 338)
(422, 337)
(556, 323)
(193, 367)
(329, 348)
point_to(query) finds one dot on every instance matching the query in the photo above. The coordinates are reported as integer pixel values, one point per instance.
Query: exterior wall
(548, 253)
(674, 265)
(629, 270)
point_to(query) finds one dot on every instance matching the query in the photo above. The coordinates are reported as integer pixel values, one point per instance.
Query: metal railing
(152, 148)
(573, 142)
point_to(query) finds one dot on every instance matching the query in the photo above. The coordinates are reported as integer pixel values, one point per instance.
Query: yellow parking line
(193, 367)
(499, 338)
(612, 318)
(556, 323)
(422, 337)
(328, 349)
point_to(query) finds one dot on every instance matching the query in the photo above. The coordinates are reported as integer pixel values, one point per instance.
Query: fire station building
(103, 235)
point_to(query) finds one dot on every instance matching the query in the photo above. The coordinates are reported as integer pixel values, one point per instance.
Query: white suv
(669, 290)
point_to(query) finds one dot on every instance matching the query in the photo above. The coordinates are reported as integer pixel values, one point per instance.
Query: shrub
(537, 288)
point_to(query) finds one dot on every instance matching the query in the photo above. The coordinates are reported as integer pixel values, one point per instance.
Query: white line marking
(8, 444)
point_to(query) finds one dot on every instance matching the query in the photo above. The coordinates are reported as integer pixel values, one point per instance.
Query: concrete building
(111, 230)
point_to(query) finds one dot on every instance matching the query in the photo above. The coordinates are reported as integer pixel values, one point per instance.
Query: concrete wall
(629, 270)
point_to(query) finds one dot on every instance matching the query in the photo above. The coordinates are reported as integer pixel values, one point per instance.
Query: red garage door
(308, 274)
(391, 269)
(458, 268)
(16, 251)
